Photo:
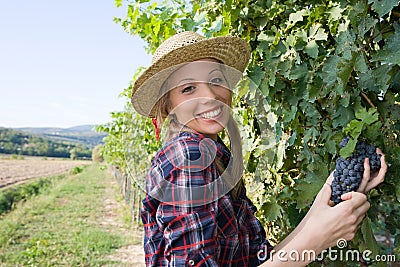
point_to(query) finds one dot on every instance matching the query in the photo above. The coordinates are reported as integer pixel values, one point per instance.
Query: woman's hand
(325, 224)
(371, 180)
(329, 224)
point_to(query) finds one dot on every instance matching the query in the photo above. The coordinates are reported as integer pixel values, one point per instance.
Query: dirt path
(131, 255)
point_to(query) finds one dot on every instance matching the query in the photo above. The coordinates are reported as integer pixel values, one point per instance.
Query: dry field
(18, 170)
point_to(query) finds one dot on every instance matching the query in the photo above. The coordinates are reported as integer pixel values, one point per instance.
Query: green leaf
(342, 116)
(317, 33)
(256, 75)
(217, 24)
(330, 146)
(264, 37)
(299, 71)
(346, 151)
(367, 117)
(329, 71)
(289, 115)
(335, 13)
(312, 49)
(390, 54)
(118, 3)
(368, 238)
(366, 24)
(200, 17)
(382, 77)
(308, 188)
(382, 7)
(345, 69)
(354, 128)
(360, 63)
(298, 16)
(373, 131)
(272, 209)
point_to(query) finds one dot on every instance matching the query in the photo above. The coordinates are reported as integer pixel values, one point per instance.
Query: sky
(64, 63)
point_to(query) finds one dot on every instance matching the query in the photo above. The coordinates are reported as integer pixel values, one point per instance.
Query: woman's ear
(168, 105)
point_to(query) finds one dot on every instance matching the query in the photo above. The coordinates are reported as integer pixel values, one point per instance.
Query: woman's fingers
(366, 177)
(330, 178)
(379, 176)
(356, 197)
(352, 211)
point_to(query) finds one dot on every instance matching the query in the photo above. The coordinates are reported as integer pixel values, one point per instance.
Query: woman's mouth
(211, 114)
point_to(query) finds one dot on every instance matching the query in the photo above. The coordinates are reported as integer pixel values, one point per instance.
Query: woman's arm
(322, 229)
(324, 225)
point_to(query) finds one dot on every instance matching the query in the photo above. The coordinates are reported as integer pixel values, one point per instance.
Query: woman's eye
(216, 81)
(188, 88)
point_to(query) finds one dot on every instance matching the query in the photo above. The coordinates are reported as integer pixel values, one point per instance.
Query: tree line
(21, 143)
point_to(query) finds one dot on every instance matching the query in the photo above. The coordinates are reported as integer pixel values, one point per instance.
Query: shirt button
(191, 262)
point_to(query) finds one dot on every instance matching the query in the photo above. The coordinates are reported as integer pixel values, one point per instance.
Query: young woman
(196, 212)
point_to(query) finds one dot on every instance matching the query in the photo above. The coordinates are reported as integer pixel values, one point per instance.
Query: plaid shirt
(222, 232)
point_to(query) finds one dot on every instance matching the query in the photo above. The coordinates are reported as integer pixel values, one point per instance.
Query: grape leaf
(297, 16)
(360, 64)
(312, 49)
(330, 146)
(382, 7)
(365, 25)
(368, 241)
(367, 117)
(272, 209)
(317, 33)
(391, 52)
(335, 13)
(346, 151)
(307, 189)
(256, 75)
(342, 116)
(329, 71)
(118, 3)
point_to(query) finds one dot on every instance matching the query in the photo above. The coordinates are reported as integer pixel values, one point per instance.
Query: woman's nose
(208, 91)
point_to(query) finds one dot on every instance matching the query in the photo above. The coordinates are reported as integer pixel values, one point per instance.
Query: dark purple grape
(349, 171)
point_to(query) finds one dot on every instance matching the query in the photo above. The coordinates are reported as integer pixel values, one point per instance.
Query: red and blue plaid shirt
(222, 232)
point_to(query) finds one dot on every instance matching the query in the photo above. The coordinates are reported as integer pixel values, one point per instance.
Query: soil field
(14, 171)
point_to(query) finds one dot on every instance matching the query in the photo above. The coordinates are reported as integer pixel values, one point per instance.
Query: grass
(61, 226)
(12, 195)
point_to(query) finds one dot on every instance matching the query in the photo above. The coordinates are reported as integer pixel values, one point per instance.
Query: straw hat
(182, 48)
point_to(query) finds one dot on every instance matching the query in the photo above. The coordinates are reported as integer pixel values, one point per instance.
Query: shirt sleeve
(260, 248)
(183, 223)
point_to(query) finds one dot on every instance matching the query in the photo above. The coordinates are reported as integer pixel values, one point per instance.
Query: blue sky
(63, 63)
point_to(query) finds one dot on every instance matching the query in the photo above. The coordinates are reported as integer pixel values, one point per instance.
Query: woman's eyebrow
(214, 70)
(192, 79)
(184, 80)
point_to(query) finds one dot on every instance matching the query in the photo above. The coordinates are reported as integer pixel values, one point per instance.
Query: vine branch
(368, 100)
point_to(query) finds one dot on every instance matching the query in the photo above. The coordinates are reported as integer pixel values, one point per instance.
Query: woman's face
(200, 97)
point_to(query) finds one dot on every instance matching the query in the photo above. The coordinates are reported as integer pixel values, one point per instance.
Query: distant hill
(19, 142)
(82, 134)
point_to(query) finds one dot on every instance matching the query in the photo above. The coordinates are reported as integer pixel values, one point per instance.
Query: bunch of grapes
(349, 171)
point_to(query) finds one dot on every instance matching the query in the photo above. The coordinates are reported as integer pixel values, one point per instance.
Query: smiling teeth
(211, 114)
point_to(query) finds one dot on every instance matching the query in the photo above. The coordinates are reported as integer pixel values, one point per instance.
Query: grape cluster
(349, 171)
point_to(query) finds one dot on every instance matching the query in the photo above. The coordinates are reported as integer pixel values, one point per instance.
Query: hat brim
(231, 51)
